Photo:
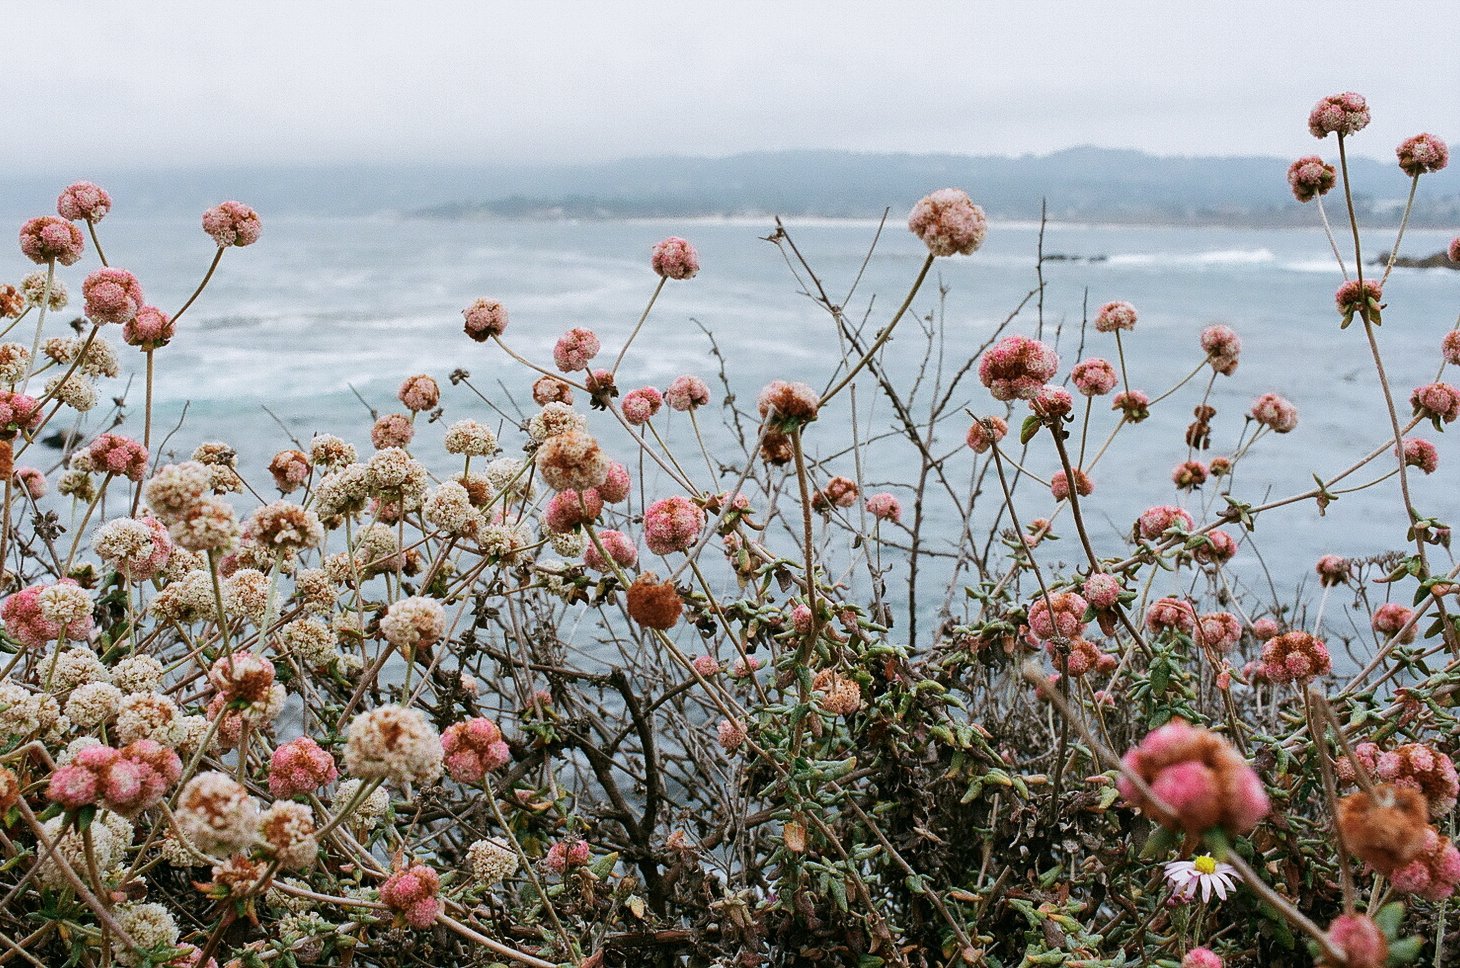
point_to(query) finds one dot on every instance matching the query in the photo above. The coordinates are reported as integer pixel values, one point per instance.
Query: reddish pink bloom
(150, 329)
(575, 348)
(672, 524)
(1189, 475)
(1332, 570)
(1081, 658)
(1411, 766)
(125, 781)
(1102, 591)
(300, 766)
(730, 733)
(1059, 485)
(1051, 402)
(569, 509)
(640, 406)
(112, 295)
(619, 547)
(83, 200)
(1295, 657)
(1134, 404)
(243, 678)
(1199, 778)
(1421, 154)
(565, 854)
(1156, 521)
(1017, 367)
(675, 258)
(1339, 114)
(1454, 250)
(1171, 614)
(1391, 617)
(485, 318)
(1420, 453)
(1362, 301)
(118, 455)
(419, 393)
(33, 480)
(1436, 401)
(1273, 411)
(549, 389)
(1432, 875)
(706, 665)
(1201, 958)
(792, 404)
(232, 223)
(1219, 631)
(1219, 547)
(24, 615)
(392, 430)
(1450, 344)
(615, 487)
(948, 223)
(1361, 941)
(885, 507)
(1265, 628)
(1309, 177)
(686, 393)
(985, 433)
(1223, 346)
(1116, 315)
(839, 492)
(412, 894)
(473, 749)
(49, 238)
(1058, 615)
(1094, 377)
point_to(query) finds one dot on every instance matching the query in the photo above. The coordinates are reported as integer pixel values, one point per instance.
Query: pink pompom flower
(1362, 301)
(1421, 154)
(149, 329)
(672, 524)
(1094, 377)
(1420, 453)
(984, 433)
(1017, 367)
(49, 238)
(575, 349)
(1436, 402)
(686, 393)
(675, 258)
(485, 318)
(300, 766)
(1222, 346)
(232, 223)
(640, 406)
(83, 200)
(885, 507)
(1275, 412)
(620, 549)
(118, 455)
(112, 295)
(948, 223)
(1340, 114)
(1202, 783)
(474, 748)
(1310, 177)
(412, 894)
(1116, 315)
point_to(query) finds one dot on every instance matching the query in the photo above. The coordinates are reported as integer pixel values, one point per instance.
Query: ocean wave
(1216, 257)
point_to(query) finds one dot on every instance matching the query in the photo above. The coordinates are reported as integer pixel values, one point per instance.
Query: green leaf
(1029, 428)
(1389, 917)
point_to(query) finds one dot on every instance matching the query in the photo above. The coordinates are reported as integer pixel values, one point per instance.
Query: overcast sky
(181, 81)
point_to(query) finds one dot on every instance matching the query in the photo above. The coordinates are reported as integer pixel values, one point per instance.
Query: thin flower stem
(884, 337)
(618, 361)
(217, 257)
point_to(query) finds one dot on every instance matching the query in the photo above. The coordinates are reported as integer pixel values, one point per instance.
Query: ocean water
(319, 310)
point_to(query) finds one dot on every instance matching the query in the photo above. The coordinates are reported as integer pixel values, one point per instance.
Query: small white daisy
(1204, 872)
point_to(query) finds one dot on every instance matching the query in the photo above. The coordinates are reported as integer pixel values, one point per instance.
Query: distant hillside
(1080, 184)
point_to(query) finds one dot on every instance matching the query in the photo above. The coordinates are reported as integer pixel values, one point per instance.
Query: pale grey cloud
(179, 81)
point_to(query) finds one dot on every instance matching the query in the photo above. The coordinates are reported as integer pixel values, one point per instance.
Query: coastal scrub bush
(659, 675)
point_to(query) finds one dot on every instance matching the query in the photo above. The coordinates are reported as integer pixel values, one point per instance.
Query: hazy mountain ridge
(1079, 184)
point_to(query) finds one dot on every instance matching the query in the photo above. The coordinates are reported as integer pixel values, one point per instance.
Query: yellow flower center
(1206, 864)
